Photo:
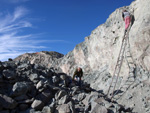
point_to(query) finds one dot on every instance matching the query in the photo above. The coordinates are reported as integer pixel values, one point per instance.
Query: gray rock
(24, 66)
(45, 96)
(27, 101)
(47, 109)
(9, 64)
(99, 109)
(55, 79)
(7, 102)
(89, 98)
(9, 74)
(34, 77)
(80, 96)
(60, 94)
(40, 85)
(63, 100)
(66, 108)
(20, 88)
(75, 90)
(37, 105)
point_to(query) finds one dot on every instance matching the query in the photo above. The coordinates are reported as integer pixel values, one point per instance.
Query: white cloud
(11, 43)
(19, 12)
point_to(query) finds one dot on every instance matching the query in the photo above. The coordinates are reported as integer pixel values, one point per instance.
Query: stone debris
(32, 90)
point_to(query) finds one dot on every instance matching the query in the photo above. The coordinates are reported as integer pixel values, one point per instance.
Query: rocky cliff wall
(101, 48)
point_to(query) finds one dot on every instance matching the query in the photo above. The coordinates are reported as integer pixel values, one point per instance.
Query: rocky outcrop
(43, 58)
(101, 48)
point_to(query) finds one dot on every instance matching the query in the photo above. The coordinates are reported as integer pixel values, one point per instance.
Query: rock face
(102, 47)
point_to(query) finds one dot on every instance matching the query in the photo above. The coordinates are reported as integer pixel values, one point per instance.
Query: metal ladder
(118, 64)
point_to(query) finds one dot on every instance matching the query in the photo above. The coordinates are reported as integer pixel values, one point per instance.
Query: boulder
(37, 105)
(60, 94)
(20, 88)
(7, 102)
(9, 74)
(47, 109)
(66, 108)
(34, 77)
(45, 96)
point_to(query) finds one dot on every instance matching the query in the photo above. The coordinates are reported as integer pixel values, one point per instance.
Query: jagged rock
(32, 92)
(27, 101)
(37, 105)
(99, 109)
(79, 97)
(66, 108)
(45, 96)
(24, 66)
(55, 79)
(60, 94)
(7, 102)
(34, 77)
(9, 65)
(9, 74)
(47, 109)
(63, 100)
(75, 89)
(20, 88)
(40, 85)
(93, 96)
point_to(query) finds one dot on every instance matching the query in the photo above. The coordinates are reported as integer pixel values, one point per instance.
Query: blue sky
(28, 26)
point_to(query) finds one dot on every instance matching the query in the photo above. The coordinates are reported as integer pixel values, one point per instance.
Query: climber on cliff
(126, 17)
(78, 75)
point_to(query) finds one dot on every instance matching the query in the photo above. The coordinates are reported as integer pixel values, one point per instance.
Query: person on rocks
(78, 75)
(126, 17)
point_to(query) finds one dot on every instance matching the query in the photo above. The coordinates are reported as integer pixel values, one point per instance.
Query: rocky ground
(30, 88)
(131, 91)
(39, 82)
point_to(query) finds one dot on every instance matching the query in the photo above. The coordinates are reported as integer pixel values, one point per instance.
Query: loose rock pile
(30, 88)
